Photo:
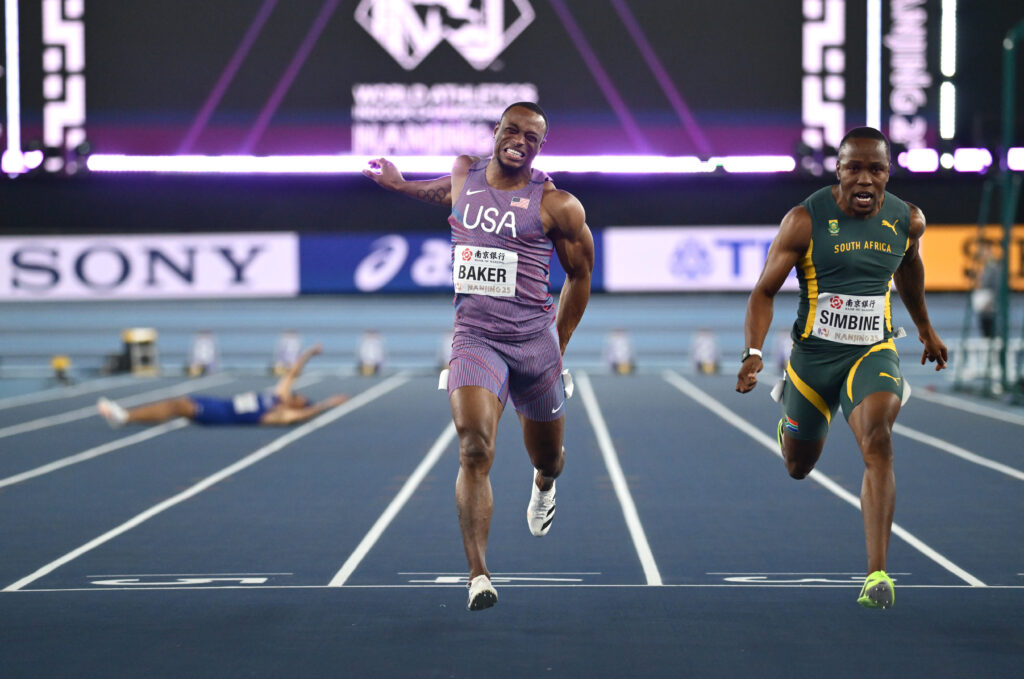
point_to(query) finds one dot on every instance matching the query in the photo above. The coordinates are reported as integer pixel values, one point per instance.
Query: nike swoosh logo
(470, 193)
(555, 410)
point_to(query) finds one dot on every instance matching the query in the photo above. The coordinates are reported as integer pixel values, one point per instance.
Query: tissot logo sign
(410, 29)
(171, 266)
(668, 258)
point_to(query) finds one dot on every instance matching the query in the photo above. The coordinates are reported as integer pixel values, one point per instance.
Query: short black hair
(868, 133)
(531, 106)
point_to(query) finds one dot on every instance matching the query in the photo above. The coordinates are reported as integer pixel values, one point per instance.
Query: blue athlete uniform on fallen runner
(843, 336)
(245, 408)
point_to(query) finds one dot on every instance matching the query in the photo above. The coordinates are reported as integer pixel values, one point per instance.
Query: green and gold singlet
(843, 345)
(845, 274)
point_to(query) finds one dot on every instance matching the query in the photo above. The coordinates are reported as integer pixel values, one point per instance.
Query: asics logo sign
(410, 29)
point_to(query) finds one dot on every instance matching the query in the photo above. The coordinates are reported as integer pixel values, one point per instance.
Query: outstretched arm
(791, 242)
(285, 416)
(439, 191)
(284, 386)
(574, 245)
(909, 280)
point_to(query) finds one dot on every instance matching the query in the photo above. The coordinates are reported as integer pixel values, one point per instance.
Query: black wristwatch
(750, 351)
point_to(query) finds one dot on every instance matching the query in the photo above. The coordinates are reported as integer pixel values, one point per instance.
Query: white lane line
(969, 406)
(139, 437)
(858, 573)
(958, 451)
(177, 575)
(463, 573)
(495, 579)
(611, 461)
(385, 519)
(137, 399)
(462, 586)
(57, 393)
(771, 444)
(266, 451)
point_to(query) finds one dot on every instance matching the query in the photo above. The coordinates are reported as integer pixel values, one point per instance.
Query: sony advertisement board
(38, 268)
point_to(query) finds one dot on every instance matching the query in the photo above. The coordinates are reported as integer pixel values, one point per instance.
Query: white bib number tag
(246, 403)
(485, 271)
(850, 319)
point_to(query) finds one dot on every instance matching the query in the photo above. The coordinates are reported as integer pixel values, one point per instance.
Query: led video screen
(265, 77)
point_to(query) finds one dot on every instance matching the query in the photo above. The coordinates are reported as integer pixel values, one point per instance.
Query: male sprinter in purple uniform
(281, 406)
(505, 220)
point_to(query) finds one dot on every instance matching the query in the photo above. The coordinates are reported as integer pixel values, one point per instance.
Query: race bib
(850, 319)
(485, 271)
(246, 403)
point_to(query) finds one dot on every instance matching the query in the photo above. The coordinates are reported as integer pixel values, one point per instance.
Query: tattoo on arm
(436, 195)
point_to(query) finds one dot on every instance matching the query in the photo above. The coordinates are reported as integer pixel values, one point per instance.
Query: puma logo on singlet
(894, 379)
(885, 223)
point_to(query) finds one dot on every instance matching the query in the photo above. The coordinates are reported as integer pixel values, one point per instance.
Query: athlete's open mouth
(863, 198)
(518, 155)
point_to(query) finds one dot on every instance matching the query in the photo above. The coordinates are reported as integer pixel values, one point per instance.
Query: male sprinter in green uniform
(848, 241)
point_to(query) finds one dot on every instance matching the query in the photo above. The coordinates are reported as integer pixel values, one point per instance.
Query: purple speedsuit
(505, 339)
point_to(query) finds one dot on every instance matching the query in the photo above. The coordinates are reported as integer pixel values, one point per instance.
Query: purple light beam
(603, 81)
(661, 75)
(263, 120)
(217, 93)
